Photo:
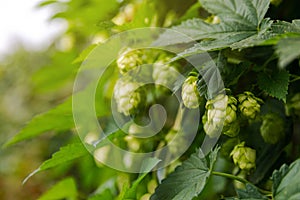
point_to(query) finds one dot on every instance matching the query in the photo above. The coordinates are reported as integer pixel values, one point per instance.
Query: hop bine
(128, 95)
(249, 105)
(190, 94)
(272, 128)
(243, 157)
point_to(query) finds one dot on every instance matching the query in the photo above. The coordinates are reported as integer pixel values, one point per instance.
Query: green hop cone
(243, 157)
(231, 124)
(275, 2)
(293, 106)
(215, 114)
(133, 143)
(249, 105)
(272, 128)
(129, 60)
(190, 94)
(164, 74)
(128, 95)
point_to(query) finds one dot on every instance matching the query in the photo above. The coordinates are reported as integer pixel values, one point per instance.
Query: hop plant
(164, 74)
(128, 95)
(231, 124)
(272, 128)
(243, 157)
(249, 105)
(215, 115)
(129, 60)
(190, 95)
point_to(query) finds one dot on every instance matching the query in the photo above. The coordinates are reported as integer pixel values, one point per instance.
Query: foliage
(258, 61)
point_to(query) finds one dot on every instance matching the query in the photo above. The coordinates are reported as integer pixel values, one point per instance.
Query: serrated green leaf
(105, 195)
(57, 119)
(250, 192)
(288, 50)
(83, 55)
(65, 154)
(188, 180)
(277, 176)
(211, 83)
(289, 182)
(239, 20)
(61, 118)
(106, 191)
(275, 83)
(146, 166)
(65, 189)
(247, 13)
(57, 74)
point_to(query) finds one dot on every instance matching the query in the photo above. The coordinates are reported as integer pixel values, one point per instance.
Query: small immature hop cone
(190, 94)
(128, 95)
(215, 114)
(243, 157)
(249, 105)
(272, 128)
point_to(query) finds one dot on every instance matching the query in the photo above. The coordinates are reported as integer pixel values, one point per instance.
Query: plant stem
(177, 123)
(230, 176)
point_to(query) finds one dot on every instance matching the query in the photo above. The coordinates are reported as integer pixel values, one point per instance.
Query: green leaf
(61, 118)
(247, 13)
(65, 189)
(65, 154)
(105, 195)
(288, 50)
(239, 20)
(287, 182)
(57, 119)
(57, 74)
(105, 191)
(146, 166)
(250, 192)
(188, 180)
(278, 175)
(274, 83)
(84, 54)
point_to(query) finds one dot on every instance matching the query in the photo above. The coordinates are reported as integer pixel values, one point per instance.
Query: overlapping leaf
(275, 83)
(65, 189)
(188, 180)
(287, 182)
(238, 20)
(65, 154)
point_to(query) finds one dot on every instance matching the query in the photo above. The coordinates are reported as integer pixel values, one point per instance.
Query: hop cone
(249, 105)
(294, 104)
(128, 95)
(272, 128)
(231, 124)
(164, 74)
(244, 157)
(130, 60)
(190, 94)
(215, 115)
